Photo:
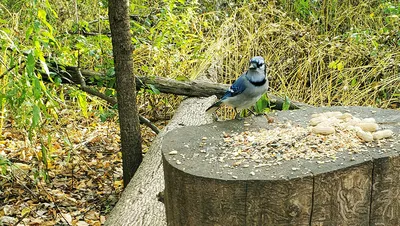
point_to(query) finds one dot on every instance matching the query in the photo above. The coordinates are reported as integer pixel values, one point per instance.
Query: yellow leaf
(118, 183)
(25, 211)
(332, 65)
(42, 14)
(50, 165)
(340, 66)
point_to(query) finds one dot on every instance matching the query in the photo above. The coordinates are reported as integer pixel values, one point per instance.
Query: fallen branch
(195, 88)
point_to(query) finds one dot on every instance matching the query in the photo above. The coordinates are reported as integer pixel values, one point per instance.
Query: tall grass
(336, 53)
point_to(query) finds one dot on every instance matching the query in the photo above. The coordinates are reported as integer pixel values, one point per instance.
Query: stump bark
(355, 189)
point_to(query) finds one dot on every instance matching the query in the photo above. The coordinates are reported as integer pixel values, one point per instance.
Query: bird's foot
(252, 112)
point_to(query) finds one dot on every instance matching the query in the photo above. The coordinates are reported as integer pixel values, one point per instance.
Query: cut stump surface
(357, 188)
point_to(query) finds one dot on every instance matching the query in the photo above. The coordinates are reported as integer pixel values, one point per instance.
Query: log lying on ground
(165, 85)
(206, 185)
(139, 204)
(69, 74)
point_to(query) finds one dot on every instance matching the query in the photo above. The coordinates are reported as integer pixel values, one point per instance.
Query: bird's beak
(253, 65)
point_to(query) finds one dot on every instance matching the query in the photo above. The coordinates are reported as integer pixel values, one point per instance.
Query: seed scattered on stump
(327, 134)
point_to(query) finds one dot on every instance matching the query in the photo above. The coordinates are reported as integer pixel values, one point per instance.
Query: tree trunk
(126, 88)
(139, 204)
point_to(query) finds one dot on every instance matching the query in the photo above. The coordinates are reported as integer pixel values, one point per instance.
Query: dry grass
(340, 53)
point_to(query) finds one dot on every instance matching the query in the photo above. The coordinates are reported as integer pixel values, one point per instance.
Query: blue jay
(247, 89)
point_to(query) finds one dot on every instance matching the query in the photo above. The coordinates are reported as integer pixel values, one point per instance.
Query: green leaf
(286, 104)
(4, 169)
(354, 82)
(57, 80)
(181, 78)
(28, 32)
(42, 17)
(36, 88)
(83, 104)
(35, 116)
(153, 89)
(30, 64)
(4, 161)
(262, 105)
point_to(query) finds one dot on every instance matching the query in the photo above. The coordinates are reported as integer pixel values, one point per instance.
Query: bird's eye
(260, 64)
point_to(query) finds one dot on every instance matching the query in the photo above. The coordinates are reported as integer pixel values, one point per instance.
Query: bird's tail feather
(214, 107)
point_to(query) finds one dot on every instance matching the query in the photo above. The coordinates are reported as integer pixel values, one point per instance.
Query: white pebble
(382, 134)
(252, 173)
(325, 130)
(365, 136)
(173, 152)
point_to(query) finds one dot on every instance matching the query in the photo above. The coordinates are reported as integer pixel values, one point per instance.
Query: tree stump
(360, 188)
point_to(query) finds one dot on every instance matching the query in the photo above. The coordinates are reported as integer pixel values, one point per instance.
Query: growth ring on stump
(226, 173)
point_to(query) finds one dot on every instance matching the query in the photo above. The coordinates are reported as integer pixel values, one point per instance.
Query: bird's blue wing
(236, 88)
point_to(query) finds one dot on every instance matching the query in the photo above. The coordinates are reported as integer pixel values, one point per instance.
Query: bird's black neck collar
(259, 83)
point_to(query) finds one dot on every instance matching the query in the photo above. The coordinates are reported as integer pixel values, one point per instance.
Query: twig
(111, 101)
(98, 20)
(23, 185)
(8, 70)
(23, 216)
(85, 33)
